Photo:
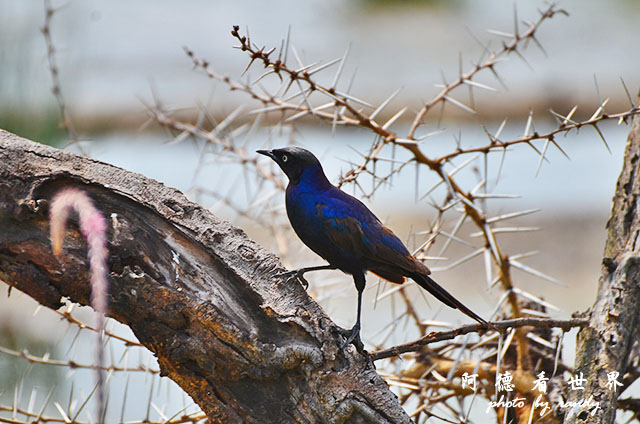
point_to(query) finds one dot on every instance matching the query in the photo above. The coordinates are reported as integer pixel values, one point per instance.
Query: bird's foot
(296, 274)
(353, 336)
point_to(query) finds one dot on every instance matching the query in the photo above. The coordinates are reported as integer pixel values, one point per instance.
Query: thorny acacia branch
(345, 109)
(46, 360)
(56, 87)
(439, 336)
(342, 108)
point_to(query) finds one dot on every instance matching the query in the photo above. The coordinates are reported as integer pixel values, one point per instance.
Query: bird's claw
(353, 336)
(295, 274)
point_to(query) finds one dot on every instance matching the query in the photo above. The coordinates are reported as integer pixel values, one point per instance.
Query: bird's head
(293, 161)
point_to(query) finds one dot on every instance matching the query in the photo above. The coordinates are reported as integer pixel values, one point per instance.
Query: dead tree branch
(439, 336)
(604, 346)
(247, 346)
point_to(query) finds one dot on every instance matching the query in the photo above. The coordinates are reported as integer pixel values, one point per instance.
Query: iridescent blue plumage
(343, 231)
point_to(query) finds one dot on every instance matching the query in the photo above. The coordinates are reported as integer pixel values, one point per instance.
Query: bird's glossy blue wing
(353, 228)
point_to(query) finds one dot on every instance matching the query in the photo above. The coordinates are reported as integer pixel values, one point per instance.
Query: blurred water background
(113, 56)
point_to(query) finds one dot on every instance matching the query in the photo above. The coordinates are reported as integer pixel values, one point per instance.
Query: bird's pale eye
(285, 158)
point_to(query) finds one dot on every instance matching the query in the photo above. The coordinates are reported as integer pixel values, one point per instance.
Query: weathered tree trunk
(247, 346)
(604, 346)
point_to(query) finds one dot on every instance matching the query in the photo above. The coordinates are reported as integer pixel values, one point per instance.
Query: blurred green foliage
(389, 4)
(42, 125)
(14, 370)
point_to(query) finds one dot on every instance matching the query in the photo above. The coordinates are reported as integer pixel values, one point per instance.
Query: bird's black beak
(268, 153)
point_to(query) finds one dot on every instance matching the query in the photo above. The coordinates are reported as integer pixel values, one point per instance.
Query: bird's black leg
(354, 334)
(299, 273)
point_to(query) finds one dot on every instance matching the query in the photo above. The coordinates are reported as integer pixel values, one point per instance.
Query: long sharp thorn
(73, 420)
(598, 111)
(497, 77)
(247, 68)
(341, 67)
(296, 116)
(535, 40)
(544, 151)
(504, 122)
(484, 46)
(383, 105)
(266, 109)
(246, 29)
(461, 260)
(493, 244)
(595, 82)
(499, 358)
(507, 343)
(535, 149)
(60, 409)
(560, 148)
(477, 84)
(279, 53)
(511, 215)
(559, 118)
(570, 115)
(306, 112)
(394, 118)
(527, 128)
(533, 312)
(325, 66)
(334, 122)
(500, 33)
(461, 352)
(355, 99)
(536, 299)
(516, 51)
(524, 255)
(160, 412)
(458, 239)
(291, 80)
(428, 192)
(286, 46)
(500, 302)
(441, 115)
(595, 126)
(455, 231)
(270, 71)
(488, 266)
(463, 164)
(535, 272)
(229, 119)
(44, 405)
(557, 356)
(459, 104)
(291, 97)
(626, 90)
(153, 380)
(502, 230)
(295, 54)
(495, 196)
(32, 399)
(304, 68)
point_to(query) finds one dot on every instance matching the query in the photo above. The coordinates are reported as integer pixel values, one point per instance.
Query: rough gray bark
(604, 345)
(247, 346)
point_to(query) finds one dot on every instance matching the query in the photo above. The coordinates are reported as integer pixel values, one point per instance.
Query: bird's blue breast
(335, 225)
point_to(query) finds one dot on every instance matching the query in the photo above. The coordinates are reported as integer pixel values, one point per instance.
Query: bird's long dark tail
(445, 297)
